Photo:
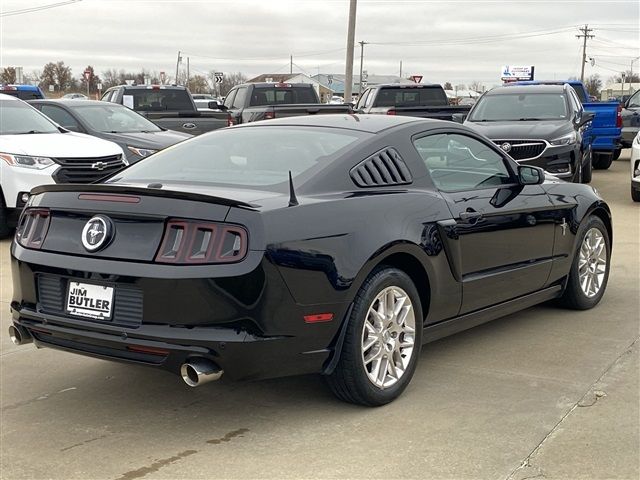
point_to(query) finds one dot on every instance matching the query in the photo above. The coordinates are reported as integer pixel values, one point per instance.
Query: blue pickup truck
(23, 92)
(606, 128)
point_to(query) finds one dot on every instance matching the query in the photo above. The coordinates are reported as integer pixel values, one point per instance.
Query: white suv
(35, 151)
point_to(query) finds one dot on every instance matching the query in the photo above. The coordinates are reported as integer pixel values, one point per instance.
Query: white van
(35, 151)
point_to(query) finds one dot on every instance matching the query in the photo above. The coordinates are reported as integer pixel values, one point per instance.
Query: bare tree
(447, 86)
(64, 77)
(93, 81)
(229, 81)
(8, 75)
(628, 77)
(198, 84)
(476, 86)
(593, 84)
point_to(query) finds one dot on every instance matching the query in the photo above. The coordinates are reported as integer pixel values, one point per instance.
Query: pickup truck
(168, 106)
(251, 102)
(23, 92)
(413, 100)
(606, 128)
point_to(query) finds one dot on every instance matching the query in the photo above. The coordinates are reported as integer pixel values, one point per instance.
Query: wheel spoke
(368, 343)
(373, 355)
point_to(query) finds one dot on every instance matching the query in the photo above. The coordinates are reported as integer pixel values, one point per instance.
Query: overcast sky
(457, 41)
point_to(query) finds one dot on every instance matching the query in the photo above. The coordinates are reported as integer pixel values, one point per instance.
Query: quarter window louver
(383, 168)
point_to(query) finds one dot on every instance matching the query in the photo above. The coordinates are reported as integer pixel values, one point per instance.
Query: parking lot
(545, 393)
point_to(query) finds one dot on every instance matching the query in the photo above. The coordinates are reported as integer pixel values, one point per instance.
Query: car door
(499, 241)
(631, 119)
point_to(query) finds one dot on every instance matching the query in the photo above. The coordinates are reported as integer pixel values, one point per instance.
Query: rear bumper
(242, 356)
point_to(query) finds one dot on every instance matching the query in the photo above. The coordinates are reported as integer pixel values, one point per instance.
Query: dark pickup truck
(412, 100)
(251, 102)
(168, 106)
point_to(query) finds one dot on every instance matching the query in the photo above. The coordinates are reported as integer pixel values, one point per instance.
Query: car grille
(127, 306)
(86, 170)
(524, 149)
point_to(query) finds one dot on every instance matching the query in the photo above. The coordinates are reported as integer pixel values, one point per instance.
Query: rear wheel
(5, 230)
(635, 194)
(382, 341)
(616, 153)
(602, 161)
(589, 272)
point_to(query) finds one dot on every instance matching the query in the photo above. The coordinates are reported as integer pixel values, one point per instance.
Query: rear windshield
(282, 95)
(410, 97)
(148, 100)
(247, 157)
(113, 118)
(523, 106)
(19, 118)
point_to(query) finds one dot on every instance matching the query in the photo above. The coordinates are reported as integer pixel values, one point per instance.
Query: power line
(23, 11)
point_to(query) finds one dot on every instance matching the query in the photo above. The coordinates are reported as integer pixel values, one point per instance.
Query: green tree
(59, 75)
(447, 86)
(8, 75)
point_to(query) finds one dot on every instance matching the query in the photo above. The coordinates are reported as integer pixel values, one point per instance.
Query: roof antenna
(293, 200)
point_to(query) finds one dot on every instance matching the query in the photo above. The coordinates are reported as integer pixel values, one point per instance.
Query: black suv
(540, 125)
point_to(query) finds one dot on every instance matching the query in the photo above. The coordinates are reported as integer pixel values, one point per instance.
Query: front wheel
(635, 193)
(5, 230)
(587, 169)
(589, 272)
(382, 341)
(602, 161)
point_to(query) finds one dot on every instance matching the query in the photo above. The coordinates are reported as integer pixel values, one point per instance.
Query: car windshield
(114, 119)
(16, 117)
(246, 157)
(519, 106)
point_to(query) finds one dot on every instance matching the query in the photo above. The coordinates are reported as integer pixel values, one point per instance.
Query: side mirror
(213, 105)
(528, 175)
(585, 118)
(459, 117)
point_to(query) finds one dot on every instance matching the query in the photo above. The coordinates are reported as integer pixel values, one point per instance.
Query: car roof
(518, 89)
(361, 122)
(407, 85)
(73, 102)
(9, 97)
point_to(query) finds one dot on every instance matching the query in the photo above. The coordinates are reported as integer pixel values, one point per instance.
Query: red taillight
(391, 111)
(230, 122)
(189, 242)
(33, 227)
(149, 350)
(619, 117)
(269, 115)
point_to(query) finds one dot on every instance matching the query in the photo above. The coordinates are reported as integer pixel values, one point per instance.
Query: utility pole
(187, 84)
(291, 64)
(362, 44)
(177, 64)
(400, 69)
(585, 34)
(351, 34)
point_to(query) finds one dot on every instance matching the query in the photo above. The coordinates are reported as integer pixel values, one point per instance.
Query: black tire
(349, 381)
(635, 194)
(616, 153)
(602, 161)
(574, 297)
(577, 175)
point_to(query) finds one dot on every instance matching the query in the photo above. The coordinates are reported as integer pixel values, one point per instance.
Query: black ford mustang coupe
(336, 244)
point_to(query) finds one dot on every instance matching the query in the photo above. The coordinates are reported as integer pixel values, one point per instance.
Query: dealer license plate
(90, 301)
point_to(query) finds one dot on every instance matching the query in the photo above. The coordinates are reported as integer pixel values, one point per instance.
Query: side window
(107, 96)
(61, 117)
(363, 98)
(634, 102)
(457, 162)
(241, 97)
(371, 98)
(228, 101)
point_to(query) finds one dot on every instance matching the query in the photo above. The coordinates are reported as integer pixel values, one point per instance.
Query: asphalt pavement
(544, 393)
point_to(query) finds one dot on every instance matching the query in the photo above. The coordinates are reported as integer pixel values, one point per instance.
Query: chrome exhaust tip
(19, 335)
(197, 371)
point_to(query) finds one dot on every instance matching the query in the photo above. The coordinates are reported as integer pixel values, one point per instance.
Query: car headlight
(567, 139)
(637, 140)
(141, 152)
(27, 161)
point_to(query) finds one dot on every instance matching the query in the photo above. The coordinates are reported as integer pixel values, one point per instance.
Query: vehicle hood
(69, 144)
(546, 130)
(150, 140)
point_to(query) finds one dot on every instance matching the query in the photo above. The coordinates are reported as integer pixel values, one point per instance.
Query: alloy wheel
(388, 337)
(592, 262)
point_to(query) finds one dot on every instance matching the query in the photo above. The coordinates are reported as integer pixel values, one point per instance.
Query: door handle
(470, 216)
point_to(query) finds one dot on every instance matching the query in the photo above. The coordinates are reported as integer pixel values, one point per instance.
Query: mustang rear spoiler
(149, 192)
